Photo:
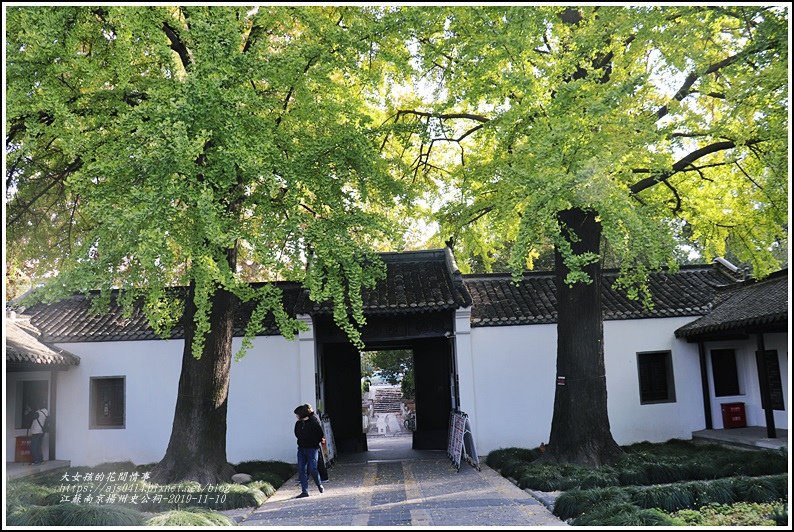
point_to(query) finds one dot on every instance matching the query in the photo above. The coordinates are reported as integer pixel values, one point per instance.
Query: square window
(107, 403)
(655, 371)
(724, 372)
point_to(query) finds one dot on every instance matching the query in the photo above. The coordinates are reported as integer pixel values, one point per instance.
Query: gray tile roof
(71, 320)
(23, 348)
(497, 301)
(416, 281)
(751, 305)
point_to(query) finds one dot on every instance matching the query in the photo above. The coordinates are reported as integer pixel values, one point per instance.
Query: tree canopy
(669, 122)
(151, 147)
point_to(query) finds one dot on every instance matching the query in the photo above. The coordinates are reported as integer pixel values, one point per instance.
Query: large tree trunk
(197, 449)
(580, 427)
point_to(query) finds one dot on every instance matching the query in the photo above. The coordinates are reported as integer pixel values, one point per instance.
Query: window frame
(669, 374)
(92, 399)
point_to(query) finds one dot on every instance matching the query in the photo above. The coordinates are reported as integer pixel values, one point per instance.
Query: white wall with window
(118, 404)
(514, 369)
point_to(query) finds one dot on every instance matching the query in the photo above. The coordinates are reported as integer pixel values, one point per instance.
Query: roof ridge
(541, 273)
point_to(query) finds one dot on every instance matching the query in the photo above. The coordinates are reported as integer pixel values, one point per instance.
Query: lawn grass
(83, 496)
(654, 482)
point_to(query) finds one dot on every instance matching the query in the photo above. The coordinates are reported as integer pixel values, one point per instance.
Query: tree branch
(177, 45)
(686, 88)
(682, 164)
(444, 116)
(56, 179)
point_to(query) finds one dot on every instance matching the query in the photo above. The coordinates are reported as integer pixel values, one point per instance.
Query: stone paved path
(392, 485)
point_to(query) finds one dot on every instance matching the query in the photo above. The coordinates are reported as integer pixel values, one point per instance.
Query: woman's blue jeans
(307, 457)
(36, 441)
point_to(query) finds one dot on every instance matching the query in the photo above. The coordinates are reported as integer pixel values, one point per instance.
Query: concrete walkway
(394, 485)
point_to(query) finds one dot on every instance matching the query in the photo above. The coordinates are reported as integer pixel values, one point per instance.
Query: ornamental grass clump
(623, 514)
(262, 485)
(193, 516)
(268, 476)
(496, 459)
(755, 489)
(718, 491)
(282, 470)
(576, 502)
(669, 497)
(23, 493)
(547, 477)
(633, 476)
(69, 514)
(663, 472)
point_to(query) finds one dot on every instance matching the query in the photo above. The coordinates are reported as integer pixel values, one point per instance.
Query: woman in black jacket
(310, 435)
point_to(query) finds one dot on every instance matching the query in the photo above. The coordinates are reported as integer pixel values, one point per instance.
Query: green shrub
(623, 514)
(496, 458)
(779, 515)
(268, 476)
(193, 516)
(281, 469)
(514, 468)
(738, 514)
(69, 514)
(670, 497)
(241, 496)
(263, 486)
(574, 503)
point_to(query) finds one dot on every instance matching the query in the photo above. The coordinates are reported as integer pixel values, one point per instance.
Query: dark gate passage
(428, 335)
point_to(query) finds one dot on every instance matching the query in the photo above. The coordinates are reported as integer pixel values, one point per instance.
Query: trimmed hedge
(671, 497)
(643, 464)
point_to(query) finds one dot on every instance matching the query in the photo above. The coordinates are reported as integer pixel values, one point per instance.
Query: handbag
(321, 467)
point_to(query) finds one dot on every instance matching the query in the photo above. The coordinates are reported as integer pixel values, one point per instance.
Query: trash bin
(22, 451)
(733, 416)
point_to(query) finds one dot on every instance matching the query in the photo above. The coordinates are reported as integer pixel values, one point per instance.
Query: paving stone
(397, 486)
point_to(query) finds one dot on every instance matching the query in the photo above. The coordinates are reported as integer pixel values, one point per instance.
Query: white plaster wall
(749, 388)
(515, 371)
(13, 384)
(631, 421)
(264, 390)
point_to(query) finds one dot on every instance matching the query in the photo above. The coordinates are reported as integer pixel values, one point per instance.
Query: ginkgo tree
(638, 127)
(157, 147)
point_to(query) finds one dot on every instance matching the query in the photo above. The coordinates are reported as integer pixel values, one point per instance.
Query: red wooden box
(733, 416)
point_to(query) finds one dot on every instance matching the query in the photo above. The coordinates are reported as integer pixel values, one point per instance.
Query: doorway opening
(340, 387)
(388, 399)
